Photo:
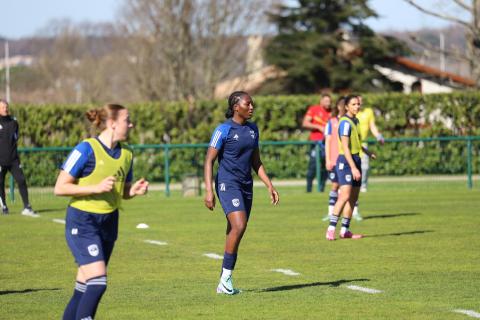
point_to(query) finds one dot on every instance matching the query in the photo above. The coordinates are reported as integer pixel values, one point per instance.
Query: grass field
(422, 251)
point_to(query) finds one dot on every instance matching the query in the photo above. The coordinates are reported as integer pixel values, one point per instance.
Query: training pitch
(420, 258)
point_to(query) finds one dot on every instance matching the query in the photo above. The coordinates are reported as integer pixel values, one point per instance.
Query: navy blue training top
(235, 144)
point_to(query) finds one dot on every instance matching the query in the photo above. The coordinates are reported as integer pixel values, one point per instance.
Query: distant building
(416, 77)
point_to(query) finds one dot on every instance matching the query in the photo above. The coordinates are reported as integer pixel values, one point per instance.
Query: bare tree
(472, 29)
(183, 48)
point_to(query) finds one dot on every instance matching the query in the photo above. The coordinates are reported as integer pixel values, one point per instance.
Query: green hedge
(278, 118)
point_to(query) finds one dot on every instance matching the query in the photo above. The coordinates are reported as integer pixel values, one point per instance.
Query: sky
(23, 18)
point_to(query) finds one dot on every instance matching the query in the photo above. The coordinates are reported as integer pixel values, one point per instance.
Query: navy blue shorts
(344, 171)
(234, 196)
(332, 175)
(90, 236)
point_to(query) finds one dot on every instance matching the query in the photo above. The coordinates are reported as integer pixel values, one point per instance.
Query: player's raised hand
(373, 156)
(274, 196)
(209, 200)
(140, 187)
(106, 185)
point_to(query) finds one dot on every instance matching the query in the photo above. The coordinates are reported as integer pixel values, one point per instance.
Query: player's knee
(97, 285)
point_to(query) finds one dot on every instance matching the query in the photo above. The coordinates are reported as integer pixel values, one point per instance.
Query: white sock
(226, 273)
(343, 230)
(330, 210)
(355, 210)
(330, 228)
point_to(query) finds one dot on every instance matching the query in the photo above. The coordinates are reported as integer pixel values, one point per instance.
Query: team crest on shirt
(348, 178)
(252, 134)
(236, 202)
(93, 250)
(222, 187)
(235, 137)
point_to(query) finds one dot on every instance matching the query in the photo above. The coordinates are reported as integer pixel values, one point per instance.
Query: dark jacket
(8, 140)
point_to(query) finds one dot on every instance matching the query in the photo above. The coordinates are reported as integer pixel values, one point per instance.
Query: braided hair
(233, 99)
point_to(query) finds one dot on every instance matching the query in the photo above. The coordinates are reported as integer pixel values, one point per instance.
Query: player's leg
(365, 169)
(312, 168)
(19, 177)
(345, 233)
(3, 202)
(342, 200)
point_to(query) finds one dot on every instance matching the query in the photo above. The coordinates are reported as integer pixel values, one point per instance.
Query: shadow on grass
(385, 216)
(26, 291)
(50, 210)
(396, 234)
(307, 285)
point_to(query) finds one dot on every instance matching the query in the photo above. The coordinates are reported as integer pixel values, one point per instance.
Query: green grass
(421, 250)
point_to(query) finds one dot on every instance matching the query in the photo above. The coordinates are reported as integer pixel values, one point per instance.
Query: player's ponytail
(98, 117)
(233, 99)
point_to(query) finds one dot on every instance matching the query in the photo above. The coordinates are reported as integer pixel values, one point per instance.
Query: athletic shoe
(363, 189)
(4, 210)
(326, 218)
(225, 286)
(350, 235)
(30, 213)
(330, 235)
(357, 216)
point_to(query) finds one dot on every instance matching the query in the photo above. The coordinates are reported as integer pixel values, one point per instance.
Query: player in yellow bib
(97, 175)
(348, 170)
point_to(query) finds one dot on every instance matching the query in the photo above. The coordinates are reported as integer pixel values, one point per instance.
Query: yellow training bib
(105, 166)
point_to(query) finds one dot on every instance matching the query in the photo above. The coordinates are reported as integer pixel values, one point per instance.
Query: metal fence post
(167, 171)
(469, 163)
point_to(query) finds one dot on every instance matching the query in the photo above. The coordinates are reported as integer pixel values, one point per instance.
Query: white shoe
(363, 189)
(30, 213)
(225, 286)
(326, 218)
(356, 214)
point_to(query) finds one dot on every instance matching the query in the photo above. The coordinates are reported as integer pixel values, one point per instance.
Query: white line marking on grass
(61, 221)
(287, 272)
(470, 313)
(362, 289)
(158, 243)
(213, 256)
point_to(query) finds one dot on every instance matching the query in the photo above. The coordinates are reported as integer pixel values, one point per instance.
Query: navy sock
(71, 309)
(333, 198)
(346, 223)
(229, 260)
(333, 220)
(90, 299)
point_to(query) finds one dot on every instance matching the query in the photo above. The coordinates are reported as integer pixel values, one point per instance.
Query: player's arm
(210, 158)
(348, 156)
(375, 132)
(140, 187)
(369, 153)
(259, 169)
(307, 124)
(66, 185)
(328, 141)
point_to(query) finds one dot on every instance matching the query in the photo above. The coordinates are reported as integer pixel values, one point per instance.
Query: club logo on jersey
(74, 231)
(222, 187)
(235, 137)
(236, 202)
(93, 250)
(348, 178)
(252, 134)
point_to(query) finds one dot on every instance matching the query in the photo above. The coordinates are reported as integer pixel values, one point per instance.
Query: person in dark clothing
(10, 161)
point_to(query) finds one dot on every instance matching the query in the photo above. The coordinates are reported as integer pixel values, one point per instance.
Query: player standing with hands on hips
(97, 175)
(235, 144)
